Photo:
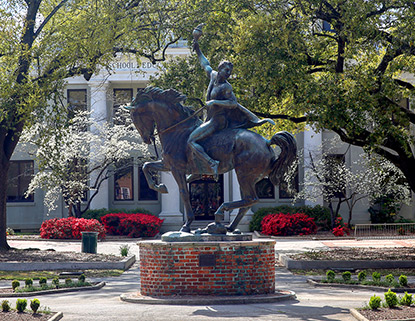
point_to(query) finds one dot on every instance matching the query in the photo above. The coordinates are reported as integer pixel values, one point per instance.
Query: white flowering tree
(79, 157)
(327, 176)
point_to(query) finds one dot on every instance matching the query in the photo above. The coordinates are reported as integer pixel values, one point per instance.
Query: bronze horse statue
(247, 152)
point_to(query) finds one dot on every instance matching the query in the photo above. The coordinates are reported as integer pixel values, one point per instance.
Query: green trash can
(89, 242)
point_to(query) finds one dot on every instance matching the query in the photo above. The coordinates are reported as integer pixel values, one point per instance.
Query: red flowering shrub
(288, 224)
(341, 227)
(70, 228)
(133, 225)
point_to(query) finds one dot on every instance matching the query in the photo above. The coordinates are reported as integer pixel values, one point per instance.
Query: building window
(121, 97)
(123, 181)
(206, 195)
(145, 192)
(77, 101)
(20, 174)
(265, 189)
(336, 187)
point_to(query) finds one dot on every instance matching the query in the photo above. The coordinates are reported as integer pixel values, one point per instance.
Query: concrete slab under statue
(179, 236)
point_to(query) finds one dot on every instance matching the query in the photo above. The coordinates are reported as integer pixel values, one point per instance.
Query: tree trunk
(4, 168)
(77, 208)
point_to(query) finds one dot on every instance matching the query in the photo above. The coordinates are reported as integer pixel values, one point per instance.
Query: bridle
(153, 138)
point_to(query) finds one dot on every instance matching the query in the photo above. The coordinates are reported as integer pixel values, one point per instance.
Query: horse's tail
(288, 145)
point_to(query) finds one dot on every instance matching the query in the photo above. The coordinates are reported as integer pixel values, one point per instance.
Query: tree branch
(296, 120)
(51, 14)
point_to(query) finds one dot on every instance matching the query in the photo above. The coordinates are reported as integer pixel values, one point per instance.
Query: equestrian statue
(192, 148)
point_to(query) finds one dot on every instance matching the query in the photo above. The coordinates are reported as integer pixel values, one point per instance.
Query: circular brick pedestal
(207, 268)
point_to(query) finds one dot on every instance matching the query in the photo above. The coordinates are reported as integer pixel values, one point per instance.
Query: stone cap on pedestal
(178, 236)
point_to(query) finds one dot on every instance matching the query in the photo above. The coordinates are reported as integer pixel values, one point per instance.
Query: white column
(312, 143)
(98, 93)
(170, 204)
(236, 196)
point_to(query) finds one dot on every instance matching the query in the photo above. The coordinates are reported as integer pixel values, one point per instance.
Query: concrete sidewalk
(312, 303)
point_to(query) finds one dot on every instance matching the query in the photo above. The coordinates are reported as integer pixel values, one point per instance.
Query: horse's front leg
(157, 166)
(180, 178)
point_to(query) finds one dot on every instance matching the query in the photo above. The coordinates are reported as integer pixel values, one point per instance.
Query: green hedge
(97, 214)
(320, 214)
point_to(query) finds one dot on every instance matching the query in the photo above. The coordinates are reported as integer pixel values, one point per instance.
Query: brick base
(214, 268)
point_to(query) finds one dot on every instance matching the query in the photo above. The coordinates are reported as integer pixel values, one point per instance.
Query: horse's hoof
(229, 228)
(215, 228)
(162, 189)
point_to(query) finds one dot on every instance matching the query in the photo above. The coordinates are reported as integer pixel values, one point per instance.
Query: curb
(360, 286)
(357, 315)
(280, 295)
(53, 291)
(125, 264)
(357, 264)
(57, 316)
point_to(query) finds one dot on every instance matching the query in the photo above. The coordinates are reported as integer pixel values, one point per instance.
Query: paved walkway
(323, 304)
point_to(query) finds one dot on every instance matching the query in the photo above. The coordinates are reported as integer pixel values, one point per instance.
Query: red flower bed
(288, 224)
(132, 225)
(341, 228)
(70, 228)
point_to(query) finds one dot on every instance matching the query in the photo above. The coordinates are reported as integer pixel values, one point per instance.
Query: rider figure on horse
(223, 110)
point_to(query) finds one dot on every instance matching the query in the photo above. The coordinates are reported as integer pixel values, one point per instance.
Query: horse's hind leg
(249, 198)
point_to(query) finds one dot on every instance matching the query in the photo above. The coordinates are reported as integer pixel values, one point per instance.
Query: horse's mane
(172, 97)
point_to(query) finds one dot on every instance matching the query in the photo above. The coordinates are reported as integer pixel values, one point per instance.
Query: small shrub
(330, 276)
(374, 302)
(347, 276)
(132, 225)
(43, 281)
(390, 279)
(28, 282)
(406, 299)
(376, 277)
(362, 276)
(15, 284)
(403, 280)
(288, 224)
(320, 214)
(21, 305)
(34, 305)
(9, 231)
(5, 306)
(68, 281)
(99, 213)
(82, 278)
(70, 228)
(391, 299)
(55, 281)
(340, 228)
(124, 249)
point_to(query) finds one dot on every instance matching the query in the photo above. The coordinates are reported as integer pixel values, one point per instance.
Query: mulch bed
(36, 255)
(353, 254)
(24, 316)
(399, 313)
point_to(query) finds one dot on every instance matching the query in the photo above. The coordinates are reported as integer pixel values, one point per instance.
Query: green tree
(340, 65)
(42, 42)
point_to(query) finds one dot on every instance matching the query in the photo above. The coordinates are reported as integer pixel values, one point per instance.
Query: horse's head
(142, 116)
(153, 105)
